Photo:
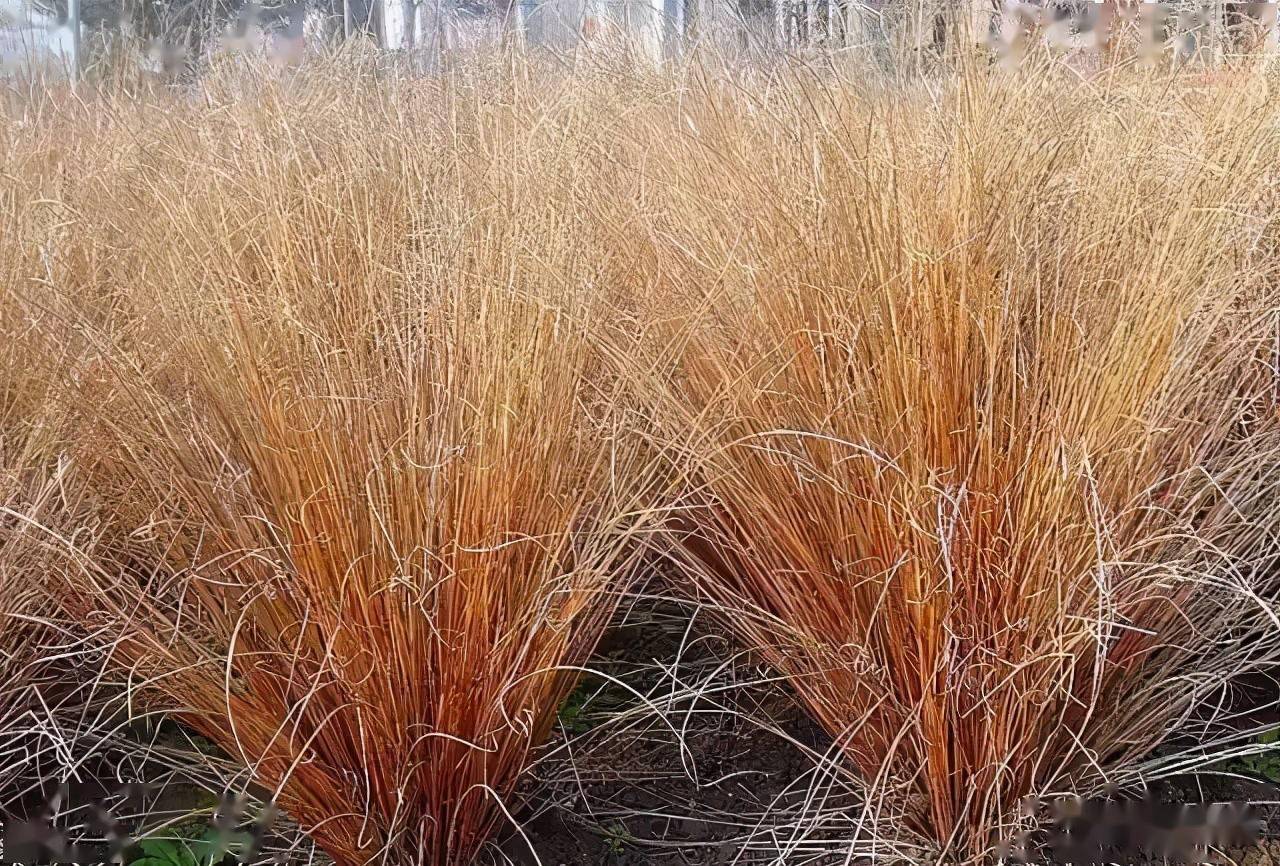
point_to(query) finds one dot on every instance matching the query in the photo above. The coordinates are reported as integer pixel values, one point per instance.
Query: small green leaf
(215, 845)
(164, 852)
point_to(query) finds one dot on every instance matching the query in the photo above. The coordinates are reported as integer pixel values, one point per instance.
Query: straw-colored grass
(29, 488)
(980, 400)
(965, 391)
(37, 495)
(365, 510)
(27, 485)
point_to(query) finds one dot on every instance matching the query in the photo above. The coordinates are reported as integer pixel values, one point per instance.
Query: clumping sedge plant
(38, 495)
(976, 390)
(955, 398)
(29, 490)
(364, 505)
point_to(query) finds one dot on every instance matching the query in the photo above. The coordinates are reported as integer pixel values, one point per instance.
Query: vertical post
(1217, 27)
(73, 22)
(438, 25)
(445, 19)
(404, 38)
(671, 27)
(657, 28)
(348, 19)
(856, 25)
(689, 20)
(976, 25)
(430, 34)
(530, 21)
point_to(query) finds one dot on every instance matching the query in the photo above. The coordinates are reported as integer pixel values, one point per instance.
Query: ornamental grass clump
(365, 505)
(41, 698)
(976, 390)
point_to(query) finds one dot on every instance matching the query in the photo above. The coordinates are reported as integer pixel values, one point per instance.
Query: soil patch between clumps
(631, 799)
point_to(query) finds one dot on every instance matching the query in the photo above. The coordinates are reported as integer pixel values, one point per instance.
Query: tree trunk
(409, 19)
(857, 23)
(976, 26)
(73, 22)
(672, 28)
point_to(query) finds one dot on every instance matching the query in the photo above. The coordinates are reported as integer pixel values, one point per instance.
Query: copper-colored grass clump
(978, 391)
(363, 506)
(29, 490)
(37, 498)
